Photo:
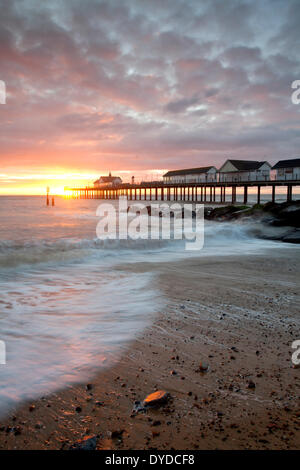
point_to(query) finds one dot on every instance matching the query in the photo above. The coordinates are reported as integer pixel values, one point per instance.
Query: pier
(212, 192)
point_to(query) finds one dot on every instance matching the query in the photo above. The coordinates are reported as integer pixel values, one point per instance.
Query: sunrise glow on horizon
(59, 179)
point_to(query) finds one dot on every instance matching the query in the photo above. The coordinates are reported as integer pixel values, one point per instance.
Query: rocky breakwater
(271, 221)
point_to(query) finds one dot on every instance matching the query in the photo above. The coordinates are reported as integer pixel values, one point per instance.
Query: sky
(138, 87)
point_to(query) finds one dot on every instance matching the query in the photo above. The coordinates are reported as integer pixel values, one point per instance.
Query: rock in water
(87, 443)
(292, 237)
(157, 398)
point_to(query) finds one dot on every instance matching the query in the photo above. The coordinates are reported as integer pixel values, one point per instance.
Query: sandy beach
(238, 315)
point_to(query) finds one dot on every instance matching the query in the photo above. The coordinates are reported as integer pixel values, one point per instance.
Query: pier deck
(196, 192)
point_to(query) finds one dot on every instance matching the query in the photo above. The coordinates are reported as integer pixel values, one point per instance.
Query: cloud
(143, 84)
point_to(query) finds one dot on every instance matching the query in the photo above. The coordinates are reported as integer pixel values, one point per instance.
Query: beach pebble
(116, 434)
(203, 367)
(87, 443)
(251, 384)
(156, 423)
(17, 430)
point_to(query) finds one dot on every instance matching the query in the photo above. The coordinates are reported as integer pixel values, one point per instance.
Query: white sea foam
(60, 326)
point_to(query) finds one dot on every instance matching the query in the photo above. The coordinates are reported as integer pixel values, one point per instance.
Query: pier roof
(293, 163)
(245, 165)
(189, 171)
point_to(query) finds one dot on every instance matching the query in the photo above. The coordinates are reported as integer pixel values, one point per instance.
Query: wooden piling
(245, 194)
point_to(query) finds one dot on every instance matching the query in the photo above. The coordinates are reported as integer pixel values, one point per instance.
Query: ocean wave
(67, 250)
(13, 254)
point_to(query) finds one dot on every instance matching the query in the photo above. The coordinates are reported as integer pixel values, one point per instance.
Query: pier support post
(273, 193)
(224, 194)
(289, 193)
(233, 197)
(245, 194)
(258, 194)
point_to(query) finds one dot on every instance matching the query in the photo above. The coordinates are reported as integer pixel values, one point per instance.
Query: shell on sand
(156, 398)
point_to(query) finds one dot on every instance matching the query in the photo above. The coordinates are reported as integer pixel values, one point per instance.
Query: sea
(68, 305)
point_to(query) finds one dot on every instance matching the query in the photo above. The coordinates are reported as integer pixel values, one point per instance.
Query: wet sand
(240, 316)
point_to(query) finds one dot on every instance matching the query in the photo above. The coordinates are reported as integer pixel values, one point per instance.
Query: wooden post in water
(258, 194)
